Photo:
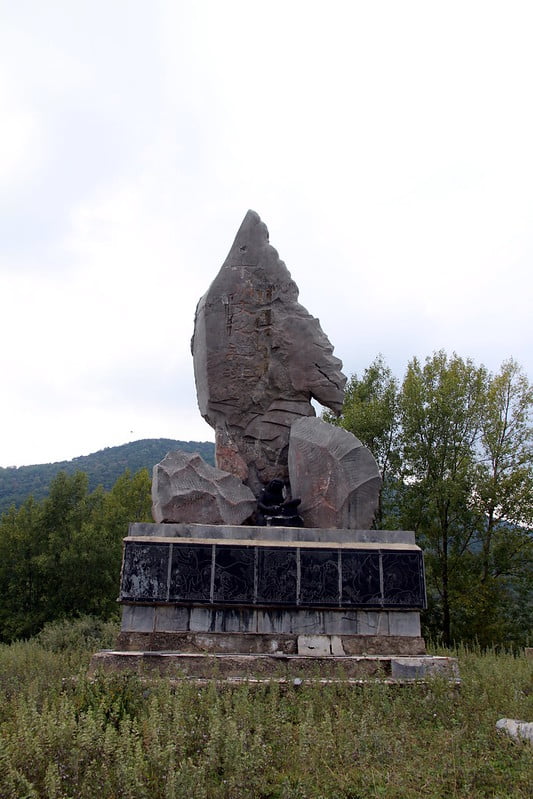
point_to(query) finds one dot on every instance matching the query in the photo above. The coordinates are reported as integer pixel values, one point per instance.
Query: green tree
(61, 557)
(504, 482)
(21, 578)
(441, 419)
(84, 535)
(454, 444)
(504, 499)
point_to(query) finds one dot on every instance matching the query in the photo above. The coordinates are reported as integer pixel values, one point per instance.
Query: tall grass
(62, 735)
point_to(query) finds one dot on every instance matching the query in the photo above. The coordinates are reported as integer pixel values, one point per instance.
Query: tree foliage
(60, 558)
(454, 445)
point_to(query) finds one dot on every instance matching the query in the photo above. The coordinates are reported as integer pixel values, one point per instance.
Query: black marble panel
(403, 579)
(145, 575)
(234, 574)
(319, 577)
(276, 576)
(190, 576)
(144, 572)
(360, 578)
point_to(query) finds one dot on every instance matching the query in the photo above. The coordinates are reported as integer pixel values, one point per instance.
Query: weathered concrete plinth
(285, 668)
(261, 643)
(204, 601)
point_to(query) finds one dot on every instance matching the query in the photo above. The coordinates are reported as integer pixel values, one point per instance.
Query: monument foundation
(245, 602)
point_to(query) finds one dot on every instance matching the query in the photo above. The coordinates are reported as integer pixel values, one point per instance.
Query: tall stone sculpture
(259, 358)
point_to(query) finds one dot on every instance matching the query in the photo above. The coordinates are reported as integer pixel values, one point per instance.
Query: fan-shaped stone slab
(186, 489)
(259, 358)
(336, 477)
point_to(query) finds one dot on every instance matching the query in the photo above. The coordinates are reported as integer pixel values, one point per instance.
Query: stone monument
(266, 566)
(259, 359)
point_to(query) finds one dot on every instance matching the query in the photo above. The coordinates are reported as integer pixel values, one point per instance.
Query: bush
(85, 633)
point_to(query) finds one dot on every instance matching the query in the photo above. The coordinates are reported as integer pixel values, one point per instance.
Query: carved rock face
(259, 358)
(186, 489)
(336, 477)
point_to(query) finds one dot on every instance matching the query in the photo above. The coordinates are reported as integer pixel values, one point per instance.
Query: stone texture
(412, 668)
(336, 477)
(314, 645)
(140, 618)
(187, 489)
(285, 667)
(367, 626)
(516, 729)
(259, 358)
(240, 642)
(404, 624)
(215, 642)
(251, 532)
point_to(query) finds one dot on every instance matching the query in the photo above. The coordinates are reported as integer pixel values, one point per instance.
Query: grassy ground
(117, 737)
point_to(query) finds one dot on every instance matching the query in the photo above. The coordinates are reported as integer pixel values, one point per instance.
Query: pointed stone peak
(251, 246)
(253, 222)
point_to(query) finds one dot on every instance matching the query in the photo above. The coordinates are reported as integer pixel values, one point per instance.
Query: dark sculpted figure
(275, 510)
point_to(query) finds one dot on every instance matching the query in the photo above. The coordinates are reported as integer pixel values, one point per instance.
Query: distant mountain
(103, 467)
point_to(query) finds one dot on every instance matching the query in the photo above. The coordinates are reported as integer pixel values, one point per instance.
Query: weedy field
(62, 735)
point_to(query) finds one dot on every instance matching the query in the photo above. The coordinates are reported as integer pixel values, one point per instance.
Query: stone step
(275, 666)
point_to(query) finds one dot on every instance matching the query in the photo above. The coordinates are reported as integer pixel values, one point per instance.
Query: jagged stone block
(187, 489)
(334, 475)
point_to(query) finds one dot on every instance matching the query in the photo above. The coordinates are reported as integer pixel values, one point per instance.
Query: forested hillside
(102, 468)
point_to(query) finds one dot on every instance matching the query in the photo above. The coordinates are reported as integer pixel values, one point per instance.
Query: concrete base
(282, 667)
(271, 603)
(257, 644)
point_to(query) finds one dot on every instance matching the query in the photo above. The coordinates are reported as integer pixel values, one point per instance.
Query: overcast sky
(388, 146)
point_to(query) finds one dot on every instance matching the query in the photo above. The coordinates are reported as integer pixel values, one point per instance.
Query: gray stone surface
(187, 489)
(314, 645)
(404, 623)
(336, 477)
(300, 621)
(266, 643)
(252, 533)
(140, 618)
(276, 666)
(171, 617)
(516, 729)
(373, 622)
(416, 668)
(259, 358)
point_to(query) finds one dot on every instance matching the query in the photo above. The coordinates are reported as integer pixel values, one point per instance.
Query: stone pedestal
(203, 599)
